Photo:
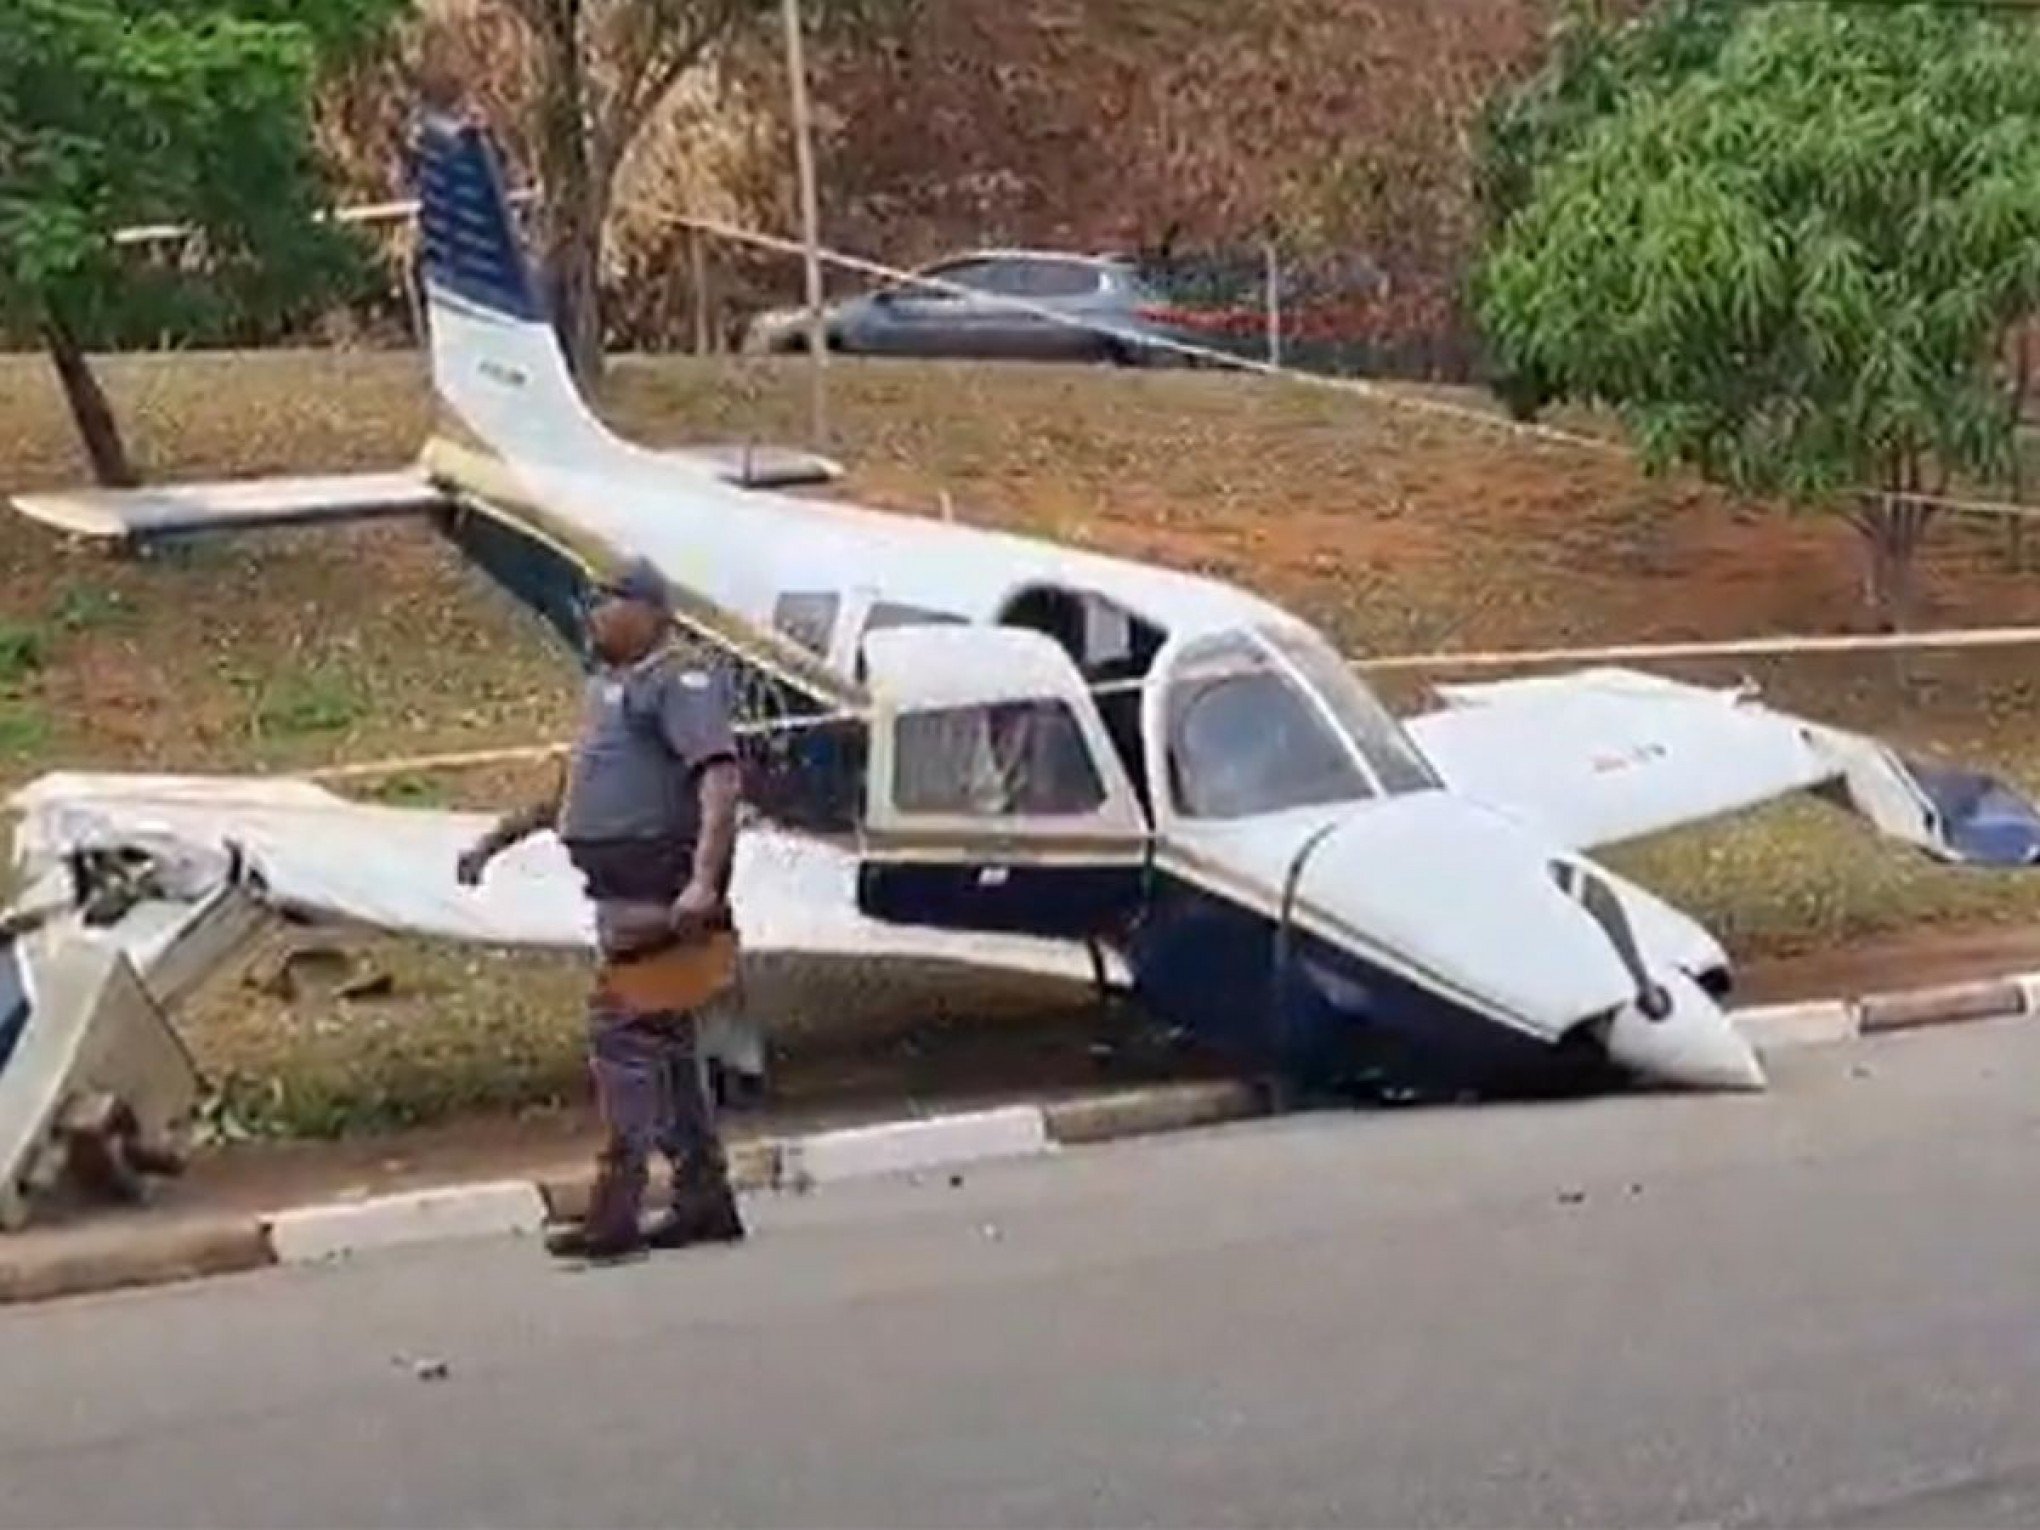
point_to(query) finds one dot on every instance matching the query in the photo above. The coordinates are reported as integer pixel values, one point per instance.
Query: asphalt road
(1816, 1307)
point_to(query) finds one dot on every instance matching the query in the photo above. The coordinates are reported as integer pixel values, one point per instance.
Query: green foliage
(24, 730)
(1596, 65)
(192, 112)
(408, 790)
(310, 702)
(22, 651)
(1792, 265)
(89, 608)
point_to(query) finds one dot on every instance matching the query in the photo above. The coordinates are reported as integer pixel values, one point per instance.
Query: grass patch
(1798, 876)
(24, 729)
(300, 704)
(91, 608)
(463, 1030)
(409, 791)
(22, 652)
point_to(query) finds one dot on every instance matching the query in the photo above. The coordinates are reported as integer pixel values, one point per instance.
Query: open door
(995, 800)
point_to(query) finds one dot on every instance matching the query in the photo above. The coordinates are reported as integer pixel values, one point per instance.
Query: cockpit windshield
(1262, 722)
(1244, 738)
(1384, 743)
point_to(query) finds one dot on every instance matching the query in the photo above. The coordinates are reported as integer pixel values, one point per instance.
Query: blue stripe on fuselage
(1332, 1016)
(469, 240)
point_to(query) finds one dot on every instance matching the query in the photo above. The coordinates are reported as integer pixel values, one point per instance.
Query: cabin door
(995, 800)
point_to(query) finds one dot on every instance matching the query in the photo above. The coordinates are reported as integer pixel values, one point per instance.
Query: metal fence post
(1272, 271)
(810, 219)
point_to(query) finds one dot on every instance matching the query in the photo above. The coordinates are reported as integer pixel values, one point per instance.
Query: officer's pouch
(684, 975)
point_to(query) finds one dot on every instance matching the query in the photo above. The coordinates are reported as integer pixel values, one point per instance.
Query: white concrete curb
(1775, 1027)
(316, 1234)
(1823, 1022)
(311, 1234)
(896, 1147)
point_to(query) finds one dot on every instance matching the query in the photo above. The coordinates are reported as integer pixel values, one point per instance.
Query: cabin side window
(808, 617)
(1009, 759)
(889, 613)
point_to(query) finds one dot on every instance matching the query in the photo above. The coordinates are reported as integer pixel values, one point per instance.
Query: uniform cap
(641, 581)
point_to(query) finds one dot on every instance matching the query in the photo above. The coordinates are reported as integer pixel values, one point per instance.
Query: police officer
(647, 810)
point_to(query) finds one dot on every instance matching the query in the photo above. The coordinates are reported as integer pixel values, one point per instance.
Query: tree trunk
(1892, 527)
(2022, 382)
(573, 265)
(574, 202)
(97, 427)
(697, 282)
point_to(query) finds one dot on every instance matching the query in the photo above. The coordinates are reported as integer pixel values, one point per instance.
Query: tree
(1600, 58)
(605, 67)
(1796, 266)
(185, 112)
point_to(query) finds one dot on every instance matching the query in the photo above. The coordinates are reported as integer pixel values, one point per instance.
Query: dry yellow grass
(1394, 531)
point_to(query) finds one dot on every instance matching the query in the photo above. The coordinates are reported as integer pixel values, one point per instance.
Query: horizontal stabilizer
(249, 504)
(168, 510)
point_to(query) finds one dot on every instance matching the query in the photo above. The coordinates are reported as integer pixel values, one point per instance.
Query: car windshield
(1244, 738)
(1398, 764)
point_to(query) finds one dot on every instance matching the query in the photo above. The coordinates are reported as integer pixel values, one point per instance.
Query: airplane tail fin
(497, 366)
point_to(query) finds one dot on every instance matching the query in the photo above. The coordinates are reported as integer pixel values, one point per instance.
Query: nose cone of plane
(1691, 1044)
(1466, 901)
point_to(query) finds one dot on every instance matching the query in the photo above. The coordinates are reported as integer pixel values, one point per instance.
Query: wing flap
(1604, 756)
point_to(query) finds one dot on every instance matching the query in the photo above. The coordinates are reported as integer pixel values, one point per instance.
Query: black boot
(701, 1214)
(609, 1233)
(574, 1240)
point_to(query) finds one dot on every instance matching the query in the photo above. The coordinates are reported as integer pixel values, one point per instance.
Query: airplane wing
(1607, 755)
(137, 888)
(311, 855)
(184, 509)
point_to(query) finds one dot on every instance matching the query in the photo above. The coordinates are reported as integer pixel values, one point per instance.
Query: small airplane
(1037, 756)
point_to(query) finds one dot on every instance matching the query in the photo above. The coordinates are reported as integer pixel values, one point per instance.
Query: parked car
(912, 319)
(1338, 314)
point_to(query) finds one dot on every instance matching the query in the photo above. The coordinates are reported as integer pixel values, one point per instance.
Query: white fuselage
(1433, 907)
